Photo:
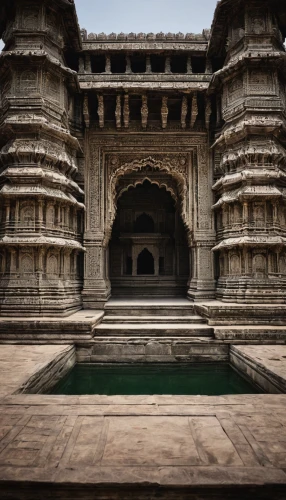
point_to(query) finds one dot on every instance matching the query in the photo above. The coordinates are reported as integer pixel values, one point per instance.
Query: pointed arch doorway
(148, 250)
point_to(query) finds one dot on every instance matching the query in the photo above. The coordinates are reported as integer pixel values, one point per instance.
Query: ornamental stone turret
(41, 202)
(250, 150)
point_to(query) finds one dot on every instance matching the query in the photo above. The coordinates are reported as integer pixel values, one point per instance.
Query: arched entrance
(149, 254)
(145, 263)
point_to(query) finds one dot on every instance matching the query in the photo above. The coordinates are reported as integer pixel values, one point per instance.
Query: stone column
(96, 289)
(202, 283)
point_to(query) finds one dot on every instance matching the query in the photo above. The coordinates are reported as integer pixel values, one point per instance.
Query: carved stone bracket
(164, 112)
(195, 111)
(100, 110)
(144, 111)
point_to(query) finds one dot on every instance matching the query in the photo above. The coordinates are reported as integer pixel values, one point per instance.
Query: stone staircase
(154, 318)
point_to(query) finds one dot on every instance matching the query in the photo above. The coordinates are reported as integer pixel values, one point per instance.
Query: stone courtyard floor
(86, 447)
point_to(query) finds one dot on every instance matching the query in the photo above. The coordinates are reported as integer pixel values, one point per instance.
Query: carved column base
(251, 291)
(97, 288)
(38, 297)
(96, 295)
(201, 290)
(202, 283)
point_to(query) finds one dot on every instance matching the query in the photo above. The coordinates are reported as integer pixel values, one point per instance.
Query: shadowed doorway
(145, 263)
(149, 253)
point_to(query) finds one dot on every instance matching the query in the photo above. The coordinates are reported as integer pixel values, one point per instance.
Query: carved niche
(235, 89)
(257, 22)
(27, 214)
(50, 216)
(260, 82)
(52, 265)
(26, 264)
(234, 265)
(259, 266)
(53, 87)
(282, 264)
(53, 24)
(28, 82)
(30, 18)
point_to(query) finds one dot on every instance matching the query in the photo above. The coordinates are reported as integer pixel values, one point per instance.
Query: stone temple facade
(141, 164)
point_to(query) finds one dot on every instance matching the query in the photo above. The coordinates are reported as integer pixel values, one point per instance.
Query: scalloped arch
(156, 165)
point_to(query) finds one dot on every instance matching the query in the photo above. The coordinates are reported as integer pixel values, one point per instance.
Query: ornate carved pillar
(148, 64)
(251, 172)
(96, 289)
(42, 160)
(107, 64)
(202, 283)
(87, 63)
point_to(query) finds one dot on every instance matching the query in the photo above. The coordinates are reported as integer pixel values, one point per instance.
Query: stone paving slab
(265, 364)
(20, 365)
(78, 443)
(78, 326)
(85, 440)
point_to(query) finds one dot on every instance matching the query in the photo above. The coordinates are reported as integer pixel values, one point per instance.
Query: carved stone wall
(82, 115)
(184, 161)
(250, 177)
(40, 240)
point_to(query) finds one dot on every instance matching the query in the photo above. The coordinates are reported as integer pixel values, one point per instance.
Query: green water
(212, 379)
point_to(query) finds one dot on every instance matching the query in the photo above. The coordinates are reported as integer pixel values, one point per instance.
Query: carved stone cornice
(250, 177)
(21, 123)
(250, 154)
(39, 240)
(144, 82)
(38, 151)
(251, 241)
(37, 56)
(263, 125)
(249, 193)
(8, 191)
(246, 60)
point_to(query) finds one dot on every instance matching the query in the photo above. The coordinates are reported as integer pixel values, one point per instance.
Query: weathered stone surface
(263, 364)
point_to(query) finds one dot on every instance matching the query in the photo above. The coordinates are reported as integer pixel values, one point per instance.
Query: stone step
(149, 310)
(154, 330)
(153, 319)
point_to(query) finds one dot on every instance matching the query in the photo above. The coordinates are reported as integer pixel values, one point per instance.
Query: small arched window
(144, 224)
(145, 262)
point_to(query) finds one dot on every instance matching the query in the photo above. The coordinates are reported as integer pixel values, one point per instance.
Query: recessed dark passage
(145, 262)
(144, 224)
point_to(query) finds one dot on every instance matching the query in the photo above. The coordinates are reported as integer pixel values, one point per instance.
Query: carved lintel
(148, 64)
(86, 110)
(107, 64)
(118, 111)
(144, 111)
(126, 111)
(184, 111)
(168, 64)
(164, 112)
(189, 65)
(128, 64)
(194, 112)
(100, 110)
(87, 64)
(208, 112)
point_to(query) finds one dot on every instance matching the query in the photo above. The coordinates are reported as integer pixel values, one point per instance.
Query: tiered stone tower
(41, 203)
(250, 151)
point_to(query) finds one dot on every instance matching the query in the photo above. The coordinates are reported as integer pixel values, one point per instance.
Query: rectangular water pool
(211, 379)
